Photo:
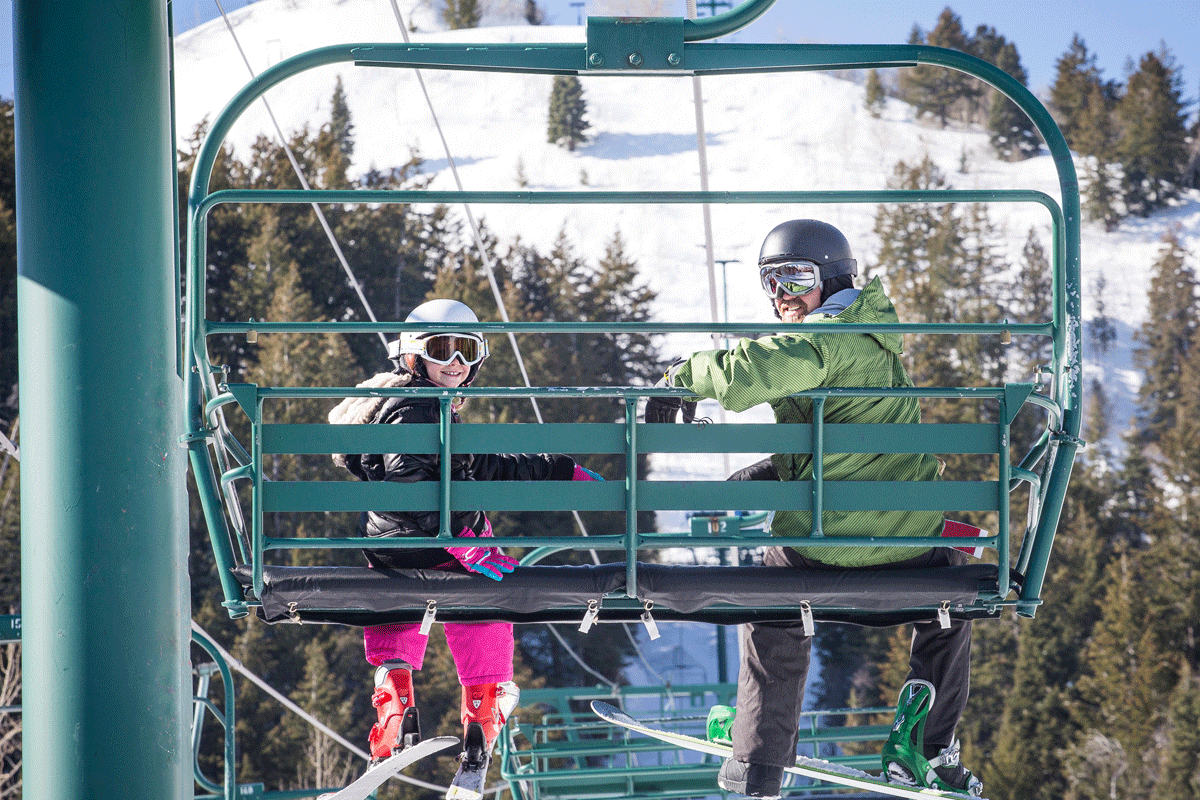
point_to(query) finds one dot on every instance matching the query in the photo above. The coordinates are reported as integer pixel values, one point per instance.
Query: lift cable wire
(483, 253)
(579, 659)
(291, 706)
(304, 181)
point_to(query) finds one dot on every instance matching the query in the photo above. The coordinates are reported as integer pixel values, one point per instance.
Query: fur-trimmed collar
(362, 410)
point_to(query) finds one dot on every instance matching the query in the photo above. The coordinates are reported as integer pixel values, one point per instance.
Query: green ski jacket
(769, 369)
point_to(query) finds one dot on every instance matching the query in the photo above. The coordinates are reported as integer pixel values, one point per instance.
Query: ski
(376, 774)
(468, 782)
(814, 768)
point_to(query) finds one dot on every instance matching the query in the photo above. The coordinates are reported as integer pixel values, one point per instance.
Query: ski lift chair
(226, 471)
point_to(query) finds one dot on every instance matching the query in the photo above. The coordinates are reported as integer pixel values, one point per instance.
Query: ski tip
(442, 742)
(611, 713)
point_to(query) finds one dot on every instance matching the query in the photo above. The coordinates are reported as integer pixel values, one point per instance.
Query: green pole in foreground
(105, 595)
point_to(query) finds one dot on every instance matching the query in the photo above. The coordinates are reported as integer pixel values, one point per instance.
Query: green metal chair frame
(565, 753)
(626, 49)
(202, 705)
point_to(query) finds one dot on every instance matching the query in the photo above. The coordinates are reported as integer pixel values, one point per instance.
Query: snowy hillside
(801, 131)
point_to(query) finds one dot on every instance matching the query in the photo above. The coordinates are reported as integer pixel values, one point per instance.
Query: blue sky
(1116, 31)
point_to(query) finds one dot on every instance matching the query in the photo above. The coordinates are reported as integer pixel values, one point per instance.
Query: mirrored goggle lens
(793, 278)
(442, 348)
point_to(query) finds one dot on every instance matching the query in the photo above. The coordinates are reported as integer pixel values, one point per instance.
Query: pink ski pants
(482, 651)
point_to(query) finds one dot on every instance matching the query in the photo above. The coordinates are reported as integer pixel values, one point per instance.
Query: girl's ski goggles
(443, 348)
(790, 277)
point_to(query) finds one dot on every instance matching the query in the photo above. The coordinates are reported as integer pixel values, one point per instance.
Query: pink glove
(488, 561)
(585, 474)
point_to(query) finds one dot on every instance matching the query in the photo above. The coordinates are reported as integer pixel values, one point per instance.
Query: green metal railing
(630, 496)
(227, 788)
(562, 748)
(623, 50)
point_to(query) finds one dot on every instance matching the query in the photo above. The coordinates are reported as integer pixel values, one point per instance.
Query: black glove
(665, 409)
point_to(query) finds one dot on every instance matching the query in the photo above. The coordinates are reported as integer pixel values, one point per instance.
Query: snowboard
(815, 768)
(375, 775)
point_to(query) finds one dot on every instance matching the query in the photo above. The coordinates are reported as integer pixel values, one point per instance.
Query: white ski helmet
(468, 345)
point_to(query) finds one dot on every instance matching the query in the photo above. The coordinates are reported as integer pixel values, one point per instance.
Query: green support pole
(105, 593)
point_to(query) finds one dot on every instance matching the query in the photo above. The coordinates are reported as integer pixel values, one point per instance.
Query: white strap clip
(944, 615)
(430, 615)
(648, 620)
(589, 616)
(806, 618)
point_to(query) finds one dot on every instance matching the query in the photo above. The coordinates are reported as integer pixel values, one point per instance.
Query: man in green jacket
(807, 268)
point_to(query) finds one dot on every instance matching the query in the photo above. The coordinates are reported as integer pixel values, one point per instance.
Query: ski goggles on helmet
(789, 277)
(443, 348)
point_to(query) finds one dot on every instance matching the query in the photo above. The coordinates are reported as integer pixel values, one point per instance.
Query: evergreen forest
(1096, 698)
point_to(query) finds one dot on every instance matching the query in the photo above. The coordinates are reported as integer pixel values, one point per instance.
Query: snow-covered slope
(802, 131)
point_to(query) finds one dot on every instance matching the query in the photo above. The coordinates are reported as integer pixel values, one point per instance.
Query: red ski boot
(485, 709)
(398, 726)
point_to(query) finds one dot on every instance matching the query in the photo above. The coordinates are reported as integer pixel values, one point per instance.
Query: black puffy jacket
(412, 467)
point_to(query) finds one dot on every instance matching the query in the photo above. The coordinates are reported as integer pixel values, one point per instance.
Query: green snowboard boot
(904, 760)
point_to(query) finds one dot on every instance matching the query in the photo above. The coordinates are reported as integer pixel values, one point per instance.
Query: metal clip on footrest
(589, 616)
(430, 616)
(648, 620)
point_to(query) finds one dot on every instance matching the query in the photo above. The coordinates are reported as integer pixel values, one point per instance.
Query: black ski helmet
(815, 241)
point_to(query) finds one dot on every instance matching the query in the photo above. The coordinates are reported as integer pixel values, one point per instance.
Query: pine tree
(1029, 299)
(848, 654)
(321, 692)
(335, 142)
(942, 265)
(1165, 339)
(1010, 130)
(1024, 760)
(228, 229)
(568, 109)
(1153, 143)
(392, 249)
(533, 13)
(908, 237)
(1076, 74)
(1084, 106)
(875, 97)
(1182, 445)
(459, 14)
(1098, 457)
(935, 90)
(315, 360)
(1097, 141)
(1121, 688)
(1137, 497)
(1181, 772)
